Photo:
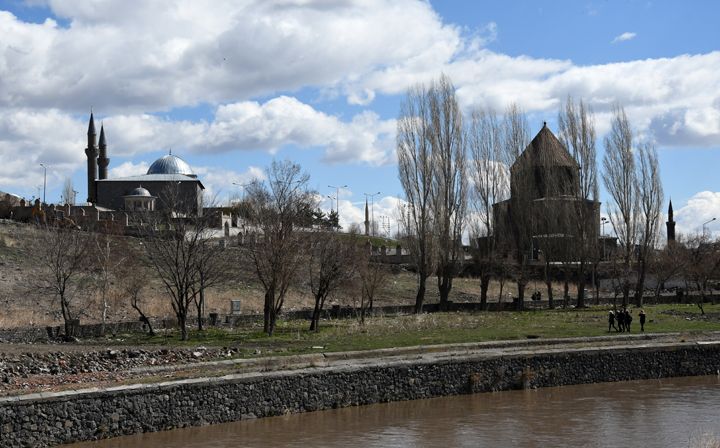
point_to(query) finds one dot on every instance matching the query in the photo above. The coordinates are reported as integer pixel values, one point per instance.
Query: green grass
(293, 337)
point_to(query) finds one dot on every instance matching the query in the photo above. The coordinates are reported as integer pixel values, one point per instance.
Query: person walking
(642, 320)
(611, 321)
(628, 320)
(620, 321)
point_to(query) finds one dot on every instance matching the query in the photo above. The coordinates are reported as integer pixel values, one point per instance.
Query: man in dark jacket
(611, 321)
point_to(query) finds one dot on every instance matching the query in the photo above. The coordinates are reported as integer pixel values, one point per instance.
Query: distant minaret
(91, 152)
(670, 224)
(103, 160)
(367, 219)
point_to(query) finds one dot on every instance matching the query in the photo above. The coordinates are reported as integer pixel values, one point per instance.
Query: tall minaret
(103, 160)
(367, 219)
(91, 152)
(670, 224)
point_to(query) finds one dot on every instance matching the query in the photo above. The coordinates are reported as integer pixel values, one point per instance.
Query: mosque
(168, 184)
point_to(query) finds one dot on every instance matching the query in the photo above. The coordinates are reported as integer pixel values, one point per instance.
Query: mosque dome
(139, 191)
(170, 164)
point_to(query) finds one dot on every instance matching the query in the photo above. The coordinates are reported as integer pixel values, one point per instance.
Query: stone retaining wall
(47, 419)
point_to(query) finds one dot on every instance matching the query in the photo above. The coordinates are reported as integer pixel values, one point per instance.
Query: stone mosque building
(168, 184)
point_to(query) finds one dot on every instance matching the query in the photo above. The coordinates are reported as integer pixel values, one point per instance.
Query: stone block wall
(47, 419)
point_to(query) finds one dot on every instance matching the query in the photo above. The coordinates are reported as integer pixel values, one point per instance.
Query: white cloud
(223, 185)
(624, 37)
(700, 208)
(127, 169)
(162, 54)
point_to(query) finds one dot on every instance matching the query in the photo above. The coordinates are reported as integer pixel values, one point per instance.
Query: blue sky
(231, 87)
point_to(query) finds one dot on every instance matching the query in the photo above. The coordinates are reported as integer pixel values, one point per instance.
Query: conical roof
(545, 150)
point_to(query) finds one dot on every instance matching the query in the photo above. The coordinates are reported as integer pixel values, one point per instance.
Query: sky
(231, 85)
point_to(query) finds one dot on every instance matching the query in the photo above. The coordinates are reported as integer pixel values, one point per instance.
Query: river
(673, 412)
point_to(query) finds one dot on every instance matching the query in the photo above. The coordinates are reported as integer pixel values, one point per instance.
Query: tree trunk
(183, 327)
(444, 287)
(267, 311)
(315, 319)
(420, 298)
(640, 286)
(551, 299)
(520, 306)
(548, 284)
(581, 286)
(484, 286)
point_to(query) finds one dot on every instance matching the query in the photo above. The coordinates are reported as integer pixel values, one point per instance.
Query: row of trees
(454, 170)
(293, 247)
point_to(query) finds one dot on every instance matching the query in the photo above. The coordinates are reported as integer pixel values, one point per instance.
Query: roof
(546, 150)
(139, 191)
(170, 164)
(143, 178)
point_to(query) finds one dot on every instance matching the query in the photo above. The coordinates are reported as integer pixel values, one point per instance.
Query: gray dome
(139, 191)
(170, 164)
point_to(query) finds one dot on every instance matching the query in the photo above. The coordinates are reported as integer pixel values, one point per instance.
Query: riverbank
(275, 386)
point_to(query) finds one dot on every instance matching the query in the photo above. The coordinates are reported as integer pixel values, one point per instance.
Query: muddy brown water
(675, 412)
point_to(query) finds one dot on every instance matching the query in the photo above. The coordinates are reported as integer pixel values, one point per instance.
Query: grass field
(293, 337)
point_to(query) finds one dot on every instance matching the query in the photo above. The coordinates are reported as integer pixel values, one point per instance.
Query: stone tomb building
(168, 184)
(541, 218)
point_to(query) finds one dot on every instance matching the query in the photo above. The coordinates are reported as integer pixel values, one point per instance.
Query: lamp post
(44, 180)
(706, 223)
(372, 210)
(337, 202)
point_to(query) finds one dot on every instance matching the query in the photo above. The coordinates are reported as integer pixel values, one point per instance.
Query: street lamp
(337, 201)
(704, 224)
(44, 180)
(372, 208)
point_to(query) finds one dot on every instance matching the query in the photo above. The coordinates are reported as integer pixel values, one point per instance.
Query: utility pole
(337, 202)
(372, 210)
(44, 180)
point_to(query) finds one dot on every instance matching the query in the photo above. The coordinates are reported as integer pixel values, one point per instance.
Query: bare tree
(277, 209)
(490, 182)
(68, 191)
(577, 132)
(62, 255)
(702, 264)
(415, 169)
(520, 225)
(133, 279)
(106, 264)
(667, 263)
(330, 264)
(176, 240)
(449, 186)
(650, 197)
(620, 179)
(372, 276)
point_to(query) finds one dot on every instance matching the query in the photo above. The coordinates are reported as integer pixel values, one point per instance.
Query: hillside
(22, 305)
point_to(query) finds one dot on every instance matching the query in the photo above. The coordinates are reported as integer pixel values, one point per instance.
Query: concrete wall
(47, 419)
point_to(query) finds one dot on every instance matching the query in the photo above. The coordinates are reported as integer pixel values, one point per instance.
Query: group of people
(624, 318)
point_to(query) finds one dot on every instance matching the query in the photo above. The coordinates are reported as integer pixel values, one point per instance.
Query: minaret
(102, 160)
(670, 224)
(91, 152)
(367, 219)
